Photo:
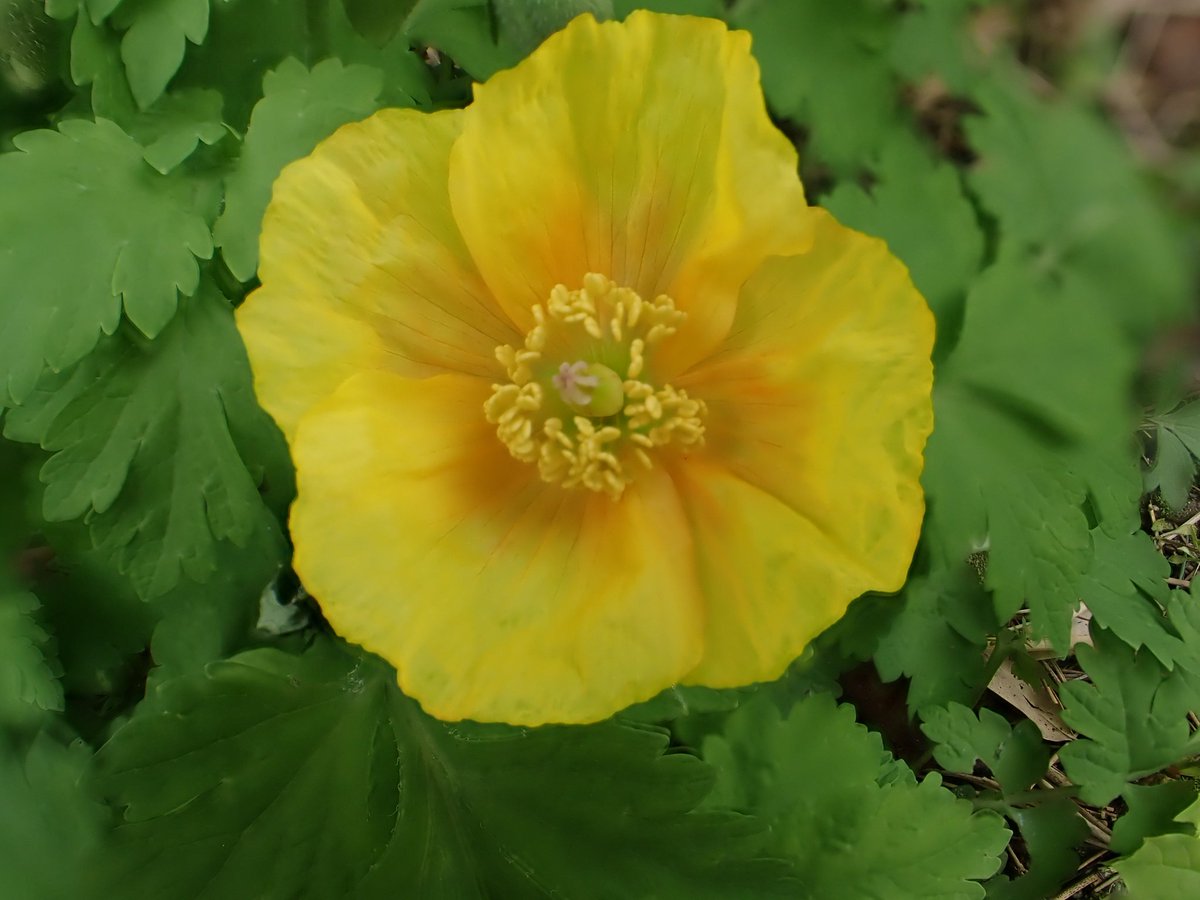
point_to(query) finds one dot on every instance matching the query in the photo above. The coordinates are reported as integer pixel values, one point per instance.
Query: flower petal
(819, 408)
(496, 596)
(641, 150)
(362, 267)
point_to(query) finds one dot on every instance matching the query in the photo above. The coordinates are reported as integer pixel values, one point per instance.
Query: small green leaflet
(298, 109)
(1132, 718)
(170, 129)
(854, 822)
(162, 447)
(938, 638)
(273, 775)
(1126, 590)
(1017, 756)
(90, 230)
(29, 684)
(156, 32)
(1167, 865)
(1178, 451)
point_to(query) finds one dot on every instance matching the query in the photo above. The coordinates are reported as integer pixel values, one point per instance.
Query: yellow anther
(614, 422)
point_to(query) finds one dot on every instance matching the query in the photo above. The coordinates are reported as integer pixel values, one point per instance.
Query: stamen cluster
(550, 412)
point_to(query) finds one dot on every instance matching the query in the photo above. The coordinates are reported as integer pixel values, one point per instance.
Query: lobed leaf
(91, 230)
(163, 448)
(29, 683)
(1016, 756)
(855, 822)
(1132, 718)
(1032, 416)
(1167, 865)
(312, 776)
(821, 59)
(298, 109)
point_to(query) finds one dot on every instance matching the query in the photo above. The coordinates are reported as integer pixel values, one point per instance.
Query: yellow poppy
(584, 400)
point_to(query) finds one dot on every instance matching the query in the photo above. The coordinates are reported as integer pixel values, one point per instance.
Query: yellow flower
(584, 400)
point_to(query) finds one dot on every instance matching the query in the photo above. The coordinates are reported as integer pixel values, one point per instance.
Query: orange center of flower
(575, 402)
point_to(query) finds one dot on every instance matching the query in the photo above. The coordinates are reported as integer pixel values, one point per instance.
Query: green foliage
(155, 36)
(49, 823)
(1152, 809)
(247, 758)
(465, 30)
(820, 60)
(997, 475)
(1016, 756)
(378, 20)
(938, 638)
(226, 779)
(1050, 831)
(1167, 865)
(133, 238)
(298, 108)
(526, 23)
(946, 253)
(28, 675)
(161, 447)
(1132, 717)
(856, 822)
(1061, 183)
(1178, 449)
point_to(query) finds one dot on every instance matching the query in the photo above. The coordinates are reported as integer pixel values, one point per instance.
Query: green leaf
(714, 9)
(312, 776)
(829, 791)
(163, 448)
(1031, 407)
(938, 638)
(29, 684)
(1017, 756)
(526, 23)
(825, 66)
(48, 822)
(378, 20)
(945, 252)
(1178, 442)
(298, 109)
(1126, 591)
(100, 625)
(202, 623)
(1051, 830)
(89, 229)
(156, 34)
(1152, 809)
(170, 129)
(1174, 469)
(1167, 865)
(1132, 718)
(1064, 187)
(464, 30)
(934, 39)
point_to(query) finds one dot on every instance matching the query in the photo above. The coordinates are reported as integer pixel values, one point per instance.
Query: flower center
(565, 406)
